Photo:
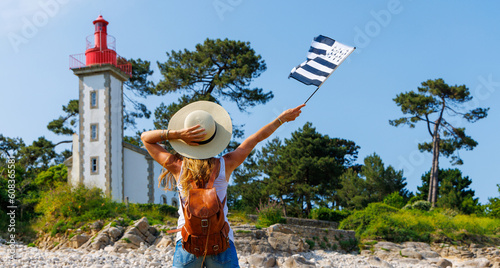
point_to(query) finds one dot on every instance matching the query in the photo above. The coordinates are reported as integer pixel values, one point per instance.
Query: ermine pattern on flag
(323, 57)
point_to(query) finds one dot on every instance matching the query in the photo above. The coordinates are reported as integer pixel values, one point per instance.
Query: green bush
(360, 220)
(349, 245)
(493, 207)
(382, 222)
(422, 205)
(394, 200)
(269, 214)
(69, 208)
(310, 243)
(321, 213)
(81, 203)
(339, 215)
(326, 214)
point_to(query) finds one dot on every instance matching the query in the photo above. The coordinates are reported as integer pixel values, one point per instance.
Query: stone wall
(320, 234)
(305, 222)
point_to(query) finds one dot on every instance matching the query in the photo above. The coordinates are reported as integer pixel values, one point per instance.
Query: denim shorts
(228, 258)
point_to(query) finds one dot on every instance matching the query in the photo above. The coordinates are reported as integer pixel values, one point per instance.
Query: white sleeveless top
(220, 185)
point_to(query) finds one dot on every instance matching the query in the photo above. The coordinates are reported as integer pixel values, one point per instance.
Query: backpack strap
(174, 231)
(215, 174)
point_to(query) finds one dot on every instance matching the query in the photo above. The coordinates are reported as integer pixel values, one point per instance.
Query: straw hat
(210, 116)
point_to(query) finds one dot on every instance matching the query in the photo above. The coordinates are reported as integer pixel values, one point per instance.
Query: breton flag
(324, 56)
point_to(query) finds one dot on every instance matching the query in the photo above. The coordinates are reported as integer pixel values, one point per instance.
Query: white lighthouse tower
(100, 156)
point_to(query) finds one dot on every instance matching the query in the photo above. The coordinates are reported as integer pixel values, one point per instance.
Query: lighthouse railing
(103, 57)
(110, 43)
(76, 61)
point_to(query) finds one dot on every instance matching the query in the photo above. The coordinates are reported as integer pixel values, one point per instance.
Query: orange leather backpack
(205, 231)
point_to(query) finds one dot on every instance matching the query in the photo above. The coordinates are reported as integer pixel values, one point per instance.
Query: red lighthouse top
(101, 50)
(101, 33)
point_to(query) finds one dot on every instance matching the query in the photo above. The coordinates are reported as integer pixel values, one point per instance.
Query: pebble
(152, 257)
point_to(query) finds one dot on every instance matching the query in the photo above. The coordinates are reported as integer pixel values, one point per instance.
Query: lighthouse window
(93, 132)
(174, 202)
(94, 165)
(93, 99)
(98, 26)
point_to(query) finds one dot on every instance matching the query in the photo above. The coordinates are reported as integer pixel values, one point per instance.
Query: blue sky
(399, 45)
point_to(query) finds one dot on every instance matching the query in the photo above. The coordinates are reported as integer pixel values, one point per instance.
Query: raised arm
(236, 157)
(162, 156)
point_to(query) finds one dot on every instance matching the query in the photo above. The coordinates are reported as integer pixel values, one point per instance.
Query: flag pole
(329, 76)
(312, 94)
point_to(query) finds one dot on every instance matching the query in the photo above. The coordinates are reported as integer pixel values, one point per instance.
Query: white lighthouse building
(100, 156)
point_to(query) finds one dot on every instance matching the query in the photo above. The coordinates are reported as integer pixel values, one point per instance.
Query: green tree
(434, 103)
(307, 169)
(66, 124)
(217, 70)
(454, 191)
(247, 190)
(352, 194)
(382, 181)
(372, 184)
(29, 162)
(51, 178)
(493, 206)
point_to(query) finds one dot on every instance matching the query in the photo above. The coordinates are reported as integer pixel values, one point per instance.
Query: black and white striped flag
(323, 58)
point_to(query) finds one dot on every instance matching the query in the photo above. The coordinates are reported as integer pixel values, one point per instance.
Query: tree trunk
(283, 206)
(433, 182)
(308, 206)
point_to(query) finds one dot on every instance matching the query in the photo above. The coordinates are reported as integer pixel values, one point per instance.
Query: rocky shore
(290, 245)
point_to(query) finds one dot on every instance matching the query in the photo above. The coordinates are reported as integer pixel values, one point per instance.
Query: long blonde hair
(197, 170)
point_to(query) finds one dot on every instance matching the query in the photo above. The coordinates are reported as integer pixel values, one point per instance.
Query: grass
(80, 207)
(270, 213)
(239, 217)
(382, 222)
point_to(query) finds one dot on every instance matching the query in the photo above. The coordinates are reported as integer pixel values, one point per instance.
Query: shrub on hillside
(269, 214)
(360, 220)
(80, 204)
(321, 213)
(382, 222)
(493, 208)
(326, 214)
(395, 200)
(419, 205)
(70, 207)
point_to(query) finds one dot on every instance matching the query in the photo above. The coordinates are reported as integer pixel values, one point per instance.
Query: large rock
(164, 241)
(297, 261)
(115, 233)
(375, 261)
(283, 239)
(78, 240)
(444, 263)
(100, 242)
(97, 225)
(262, 260)
(479, 262)
(411, 253)
(280, 228)
(388, 246)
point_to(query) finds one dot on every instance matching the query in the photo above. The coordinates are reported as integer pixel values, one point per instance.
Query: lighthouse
(101, 158)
